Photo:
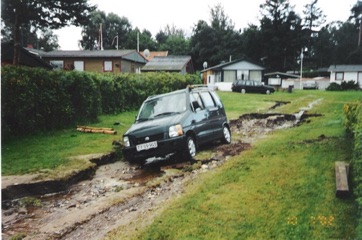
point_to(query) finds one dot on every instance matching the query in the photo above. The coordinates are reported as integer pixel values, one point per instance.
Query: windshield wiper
(166, 113)
(143, 119)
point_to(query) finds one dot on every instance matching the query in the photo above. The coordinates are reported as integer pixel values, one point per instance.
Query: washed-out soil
(121, 195)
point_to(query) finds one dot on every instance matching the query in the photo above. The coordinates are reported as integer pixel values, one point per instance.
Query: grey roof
(169, 63)
(131, 55)
(282, 74)
(222, 65)
(345, 68)
(87, 53)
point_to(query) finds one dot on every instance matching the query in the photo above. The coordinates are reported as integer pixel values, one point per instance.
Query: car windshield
(163, 106)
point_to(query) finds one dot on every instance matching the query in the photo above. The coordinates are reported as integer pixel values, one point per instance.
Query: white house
(340, 73)
(224, 74)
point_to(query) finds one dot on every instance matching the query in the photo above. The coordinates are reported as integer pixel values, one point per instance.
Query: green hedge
(349, 85)
(36, 100)
(353, 123)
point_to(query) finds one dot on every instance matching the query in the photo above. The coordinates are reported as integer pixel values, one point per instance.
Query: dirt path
(123, 195)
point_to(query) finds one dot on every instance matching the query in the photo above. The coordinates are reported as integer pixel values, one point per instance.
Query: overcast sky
(184, 14)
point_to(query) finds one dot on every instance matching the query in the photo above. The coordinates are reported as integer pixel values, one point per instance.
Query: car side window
(249, 83)
(216, 99)
(196, 101)
(207, 99)
(242, 83)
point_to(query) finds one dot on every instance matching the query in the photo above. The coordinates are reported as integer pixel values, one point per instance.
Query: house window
(256, 75)
(108, 66)
(229, 76)
(339, 75)
(57, 64)
(79, 66)
(133, 67)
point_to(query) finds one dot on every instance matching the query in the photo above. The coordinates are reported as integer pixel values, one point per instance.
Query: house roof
(281, 74)
(169, 63)
(345, 68)
(155, 54)
(226, 64)
(27, 58)
(131, 55)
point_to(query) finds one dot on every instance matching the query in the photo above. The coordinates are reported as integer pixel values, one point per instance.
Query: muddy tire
(190, 149)
(243, 91)
(226, 138)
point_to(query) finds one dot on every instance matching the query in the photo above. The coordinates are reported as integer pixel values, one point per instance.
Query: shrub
(353, 123)
(334, 87)
(345, 85)
(40, 100)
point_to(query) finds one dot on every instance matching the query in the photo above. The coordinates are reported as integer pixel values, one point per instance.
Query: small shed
(180, 64)
(279, 79)
(340, 73)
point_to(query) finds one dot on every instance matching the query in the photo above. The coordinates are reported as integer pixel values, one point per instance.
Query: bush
(353, 123)
(36, 100)
(350, 85)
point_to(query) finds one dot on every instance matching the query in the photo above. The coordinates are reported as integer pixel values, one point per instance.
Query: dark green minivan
(176, 122)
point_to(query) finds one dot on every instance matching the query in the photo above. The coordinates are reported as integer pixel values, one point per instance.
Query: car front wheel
(268, 91)
(190, 150)
(226, 135)
(243, 91)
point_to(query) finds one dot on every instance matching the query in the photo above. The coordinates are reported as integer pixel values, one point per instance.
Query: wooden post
(342, 171)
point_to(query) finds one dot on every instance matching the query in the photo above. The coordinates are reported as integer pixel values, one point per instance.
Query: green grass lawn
(53, 150)
(283, 188)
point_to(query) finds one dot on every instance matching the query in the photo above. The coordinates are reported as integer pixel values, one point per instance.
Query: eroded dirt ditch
(128, 196)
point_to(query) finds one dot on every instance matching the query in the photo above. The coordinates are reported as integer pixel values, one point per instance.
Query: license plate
(146, 146)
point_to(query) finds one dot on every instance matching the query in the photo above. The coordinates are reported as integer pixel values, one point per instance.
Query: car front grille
(144, 139)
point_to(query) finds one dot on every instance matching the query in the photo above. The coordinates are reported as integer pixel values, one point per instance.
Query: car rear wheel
(226, 135)
(243, 91)
(190, 150)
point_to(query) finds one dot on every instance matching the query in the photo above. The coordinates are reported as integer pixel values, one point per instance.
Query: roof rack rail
(197, 86)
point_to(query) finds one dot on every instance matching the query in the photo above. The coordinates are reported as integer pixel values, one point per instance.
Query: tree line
(278, 42)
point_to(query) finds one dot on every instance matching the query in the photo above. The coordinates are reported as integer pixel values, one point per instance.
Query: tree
(91, 31)
(251, 43)
(313, 20)
(281, 35)
(216, 42)
(140, 40)
(111, 25)
(43, 39)
(42, 14)
(357, 16)
(173, 40)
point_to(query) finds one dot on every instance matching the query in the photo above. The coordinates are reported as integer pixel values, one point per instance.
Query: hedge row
(353, 116)
(345, 85)
(36, 100)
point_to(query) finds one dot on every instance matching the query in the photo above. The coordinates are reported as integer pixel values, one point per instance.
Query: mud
(118, 194)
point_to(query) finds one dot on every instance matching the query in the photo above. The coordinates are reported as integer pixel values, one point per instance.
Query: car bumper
(164, 148)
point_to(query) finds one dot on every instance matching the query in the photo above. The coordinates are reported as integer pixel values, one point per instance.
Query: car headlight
(126, 142)
(175, 131)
